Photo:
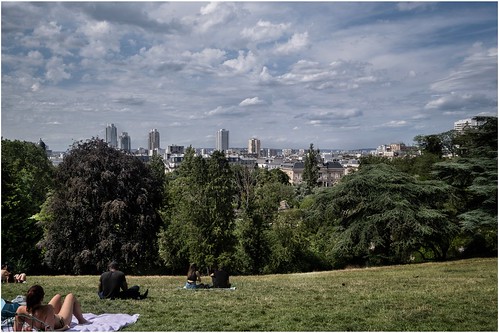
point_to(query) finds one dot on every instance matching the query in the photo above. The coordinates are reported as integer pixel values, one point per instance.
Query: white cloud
(461, 101)
(265, 31)
(56, 70)
(216, 14)
(101, 38)
(251, 101)
(478, 71)
(296, 43)
(243, 63)
(395, 123)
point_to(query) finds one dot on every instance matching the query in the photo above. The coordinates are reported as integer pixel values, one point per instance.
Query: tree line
(101, 204)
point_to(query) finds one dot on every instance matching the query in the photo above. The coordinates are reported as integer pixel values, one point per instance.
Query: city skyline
(340, 75)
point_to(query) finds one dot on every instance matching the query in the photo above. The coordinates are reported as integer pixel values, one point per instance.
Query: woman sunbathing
(56, 315)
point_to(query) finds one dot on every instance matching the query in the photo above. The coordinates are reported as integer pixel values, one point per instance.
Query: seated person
(20, 278)
(56, 315)
(5, 273)
(220, 278)
(193, 277)
(112, 284)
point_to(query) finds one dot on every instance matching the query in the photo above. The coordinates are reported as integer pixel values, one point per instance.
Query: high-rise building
(254, 147)
(222, 143)
(125, 142)
(153, 140)
(112, 135)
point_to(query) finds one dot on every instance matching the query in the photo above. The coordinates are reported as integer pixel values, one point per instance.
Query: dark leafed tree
(26, 181)
(104, 207)
(384, 215)
(311, 168)
(473, 175)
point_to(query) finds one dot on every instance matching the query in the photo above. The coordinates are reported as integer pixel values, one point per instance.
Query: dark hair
(34, 297)
(192, 269)
(113, 265)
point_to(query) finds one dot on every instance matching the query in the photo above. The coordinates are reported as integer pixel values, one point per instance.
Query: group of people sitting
(7, 276)
(219, 277)
(57, 314)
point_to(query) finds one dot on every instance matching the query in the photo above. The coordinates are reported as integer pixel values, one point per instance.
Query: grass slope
(449, 296)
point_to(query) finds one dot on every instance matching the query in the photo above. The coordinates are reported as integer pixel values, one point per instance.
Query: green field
(449, 296)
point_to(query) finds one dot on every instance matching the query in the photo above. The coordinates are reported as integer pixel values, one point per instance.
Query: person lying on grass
(56, 314)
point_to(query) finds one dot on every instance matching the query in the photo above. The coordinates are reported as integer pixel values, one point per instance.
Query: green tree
(201, 216)
(26, 181)
(260, 193)
(311, 168)
(383, 215)
(473, 175)
(430, 144)
(104, 207)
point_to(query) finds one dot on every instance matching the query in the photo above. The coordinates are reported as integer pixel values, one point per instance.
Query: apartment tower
(125, 142)
(222, 143)
(153, 140)
(254, 147)
(112, 135)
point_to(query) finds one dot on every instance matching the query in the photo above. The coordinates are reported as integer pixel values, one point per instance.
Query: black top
(111, 282)
(220, 279)
(193, 277)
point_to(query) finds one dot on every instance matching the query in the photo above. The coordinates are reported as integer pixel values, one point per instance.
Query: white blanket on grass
(106, 322)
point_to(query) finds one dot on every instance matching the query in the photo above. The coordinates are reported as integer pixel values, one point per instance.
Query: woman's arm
(18, 321)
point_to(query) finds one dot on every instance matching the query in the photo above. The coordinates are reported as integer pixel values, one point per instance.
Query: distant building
(330, 173)
(153, 140)
(173, 162)
(464, 124)
(294, 170)
(222, 143)
(112, 135)
(125, 142)
(174, 149)
(254, 147)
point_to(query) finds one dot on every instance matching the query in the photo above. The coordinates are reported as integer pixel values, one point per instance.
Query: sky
(338, 75)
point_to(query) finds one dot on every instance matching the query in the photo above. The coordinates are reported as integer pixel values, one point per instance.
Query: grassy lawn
(451, 296)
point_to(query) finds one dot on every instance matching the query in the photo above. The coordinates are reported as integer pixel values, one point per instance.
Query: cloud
(478, 71)
(56, 70)
(131, 14)
(395, 123)
(461, 101)
(265, 31)
(131, 100)
(216, 14)
(207, 58)
(251, 101)
(330, 117)
(243, 63)
(337, 75)
(296, 43)
(410, 6)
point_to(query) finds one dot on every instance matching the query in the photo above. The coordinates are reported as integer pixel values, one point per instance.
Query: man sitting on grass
(112, 284)
(220, 278)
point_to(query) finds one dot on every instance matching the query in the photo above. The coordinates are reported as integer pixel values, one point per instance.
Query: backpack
(9, 309)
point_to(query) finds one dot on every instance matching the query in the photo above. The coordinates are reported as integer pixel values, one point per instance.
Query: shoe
(145, 294)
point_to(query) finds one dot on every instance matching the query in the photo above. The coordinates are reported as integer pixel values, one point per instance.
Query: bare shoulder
(22, 309)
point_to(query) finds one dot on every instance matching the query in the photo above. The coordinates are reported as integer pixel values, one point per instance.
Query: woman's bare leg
(56, 302)
(71, 307)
